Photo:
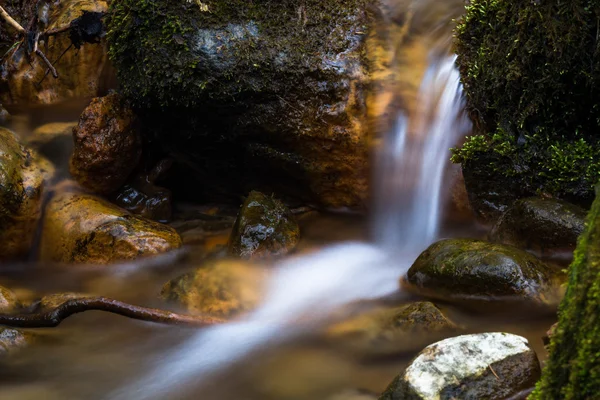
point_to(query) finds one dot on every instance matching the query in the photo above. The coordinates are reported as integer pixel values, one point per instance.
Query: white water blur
(310, 287)
(410, 191)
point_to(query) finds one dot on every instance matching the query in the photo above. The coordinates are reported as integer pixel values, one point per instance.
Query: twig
(56, 31)
(11, 21)
(48, 63)
(55, 62)
(494, 372)
(73, 306)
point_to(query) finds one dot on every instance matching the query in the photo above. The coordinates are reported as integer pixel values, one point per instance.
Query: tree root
(54, 317)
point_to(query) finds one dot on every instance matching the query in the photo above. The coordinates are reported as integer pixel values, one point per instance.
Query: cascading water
(409, 197)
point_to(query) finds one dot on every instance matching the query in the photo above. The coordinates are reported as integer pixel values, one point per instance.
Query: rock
(544, 225)
(23, 177)
(465, 269)
(8, 301)
(12, 340)
(289, 118)
(51, 301)
(388, 330)
(4, 115)
(82, 228)
(82, 71)
(491, 366)
(264, 228)
(461, 209)
(54, 141)
(107, 145)
(221, 288)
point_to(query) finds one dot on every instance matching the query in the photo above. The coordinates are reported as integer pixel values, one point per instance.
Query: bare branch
(48, 63)
(11, 21)
(55, 316)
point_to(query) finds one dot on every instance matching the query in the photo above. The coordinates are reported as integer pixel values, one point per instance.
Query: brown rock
(81, 72)
(221, 289)
(107, 145)
(82, 228)
(23, 176)
(54, 141)
(8, 301)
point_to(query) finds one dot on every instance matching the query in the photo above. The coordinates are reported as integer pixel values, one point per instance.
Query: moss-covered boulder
(546, 226)
(491, 366)
(466, 269)
(385, 331)
(54, 141)
(220, 289)
(82, 228)
(82, 72)
(23, 177)
(107, 144)
(272, 93)
(264, 228)
(530, 71)
(572, 368)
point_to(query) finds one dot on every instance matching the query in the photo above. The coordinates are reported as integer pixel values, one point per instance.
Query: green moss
(530, 71)
(573, 369)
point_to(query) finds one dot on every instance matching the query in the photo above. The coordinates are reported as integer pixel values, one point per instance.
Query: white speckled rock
(490, 366)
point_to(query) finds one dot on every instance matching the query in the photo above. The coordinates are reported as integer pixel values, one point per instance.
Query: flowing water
(277, 351)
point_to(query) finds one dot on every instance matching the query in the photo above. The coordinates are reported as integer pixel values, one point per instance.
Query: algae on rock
(530, 70)
(572, 369)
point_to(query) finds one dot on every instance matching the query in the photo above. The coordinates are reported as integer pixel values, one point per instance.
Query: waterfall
(409, 193)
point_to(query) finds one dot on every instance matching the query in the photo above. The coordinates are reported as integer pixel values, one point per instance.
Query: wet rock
(51, 301)
(544, 225)
(290, 118)
(389, 330)
(54, 141)
(464, 269)
(82, 71)
(107, 145)
(460, 207)
(12, 340)
(82, 228)
(141, 196)
(8, 301)
(265, 227)
(23, 177)
(492, 366)
(4, 115)
(221, 288)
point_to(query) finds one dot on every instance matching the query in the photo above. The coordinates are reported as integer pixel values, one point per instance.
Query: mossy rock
(82, 228)
(466, 269)
(23, 177)
(272, 93)
(222, 288)
(543, 225)
(264, 228)
(530, 69)
(571, 369)
(385, 331)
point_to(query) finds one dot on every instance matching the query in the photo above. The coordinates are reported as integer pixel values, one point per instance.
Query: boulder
(491, 366)
(388, 330)
(466, 269)
(543, 225)
(221, 288)
(81, 72)
(23, 177)
(271, 93)
(8, 301)
(107, 145)
(82, 228)
(264, 228)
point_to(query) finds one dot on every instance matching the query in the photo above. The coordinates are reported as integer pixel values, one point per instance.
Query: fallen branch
(54, 317)
(48, 63)
(11, 21)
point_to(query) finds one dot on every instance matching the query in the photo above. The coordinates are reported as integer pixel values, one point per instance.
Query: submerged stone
(12, 340)
(107, 145)
(221, 289)
(8, 301)
(492, 366)
(54, 141)
(264, 228)
(82, 228)
(544, 225)
(389, 330)
(23, 177)
(466, 269)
